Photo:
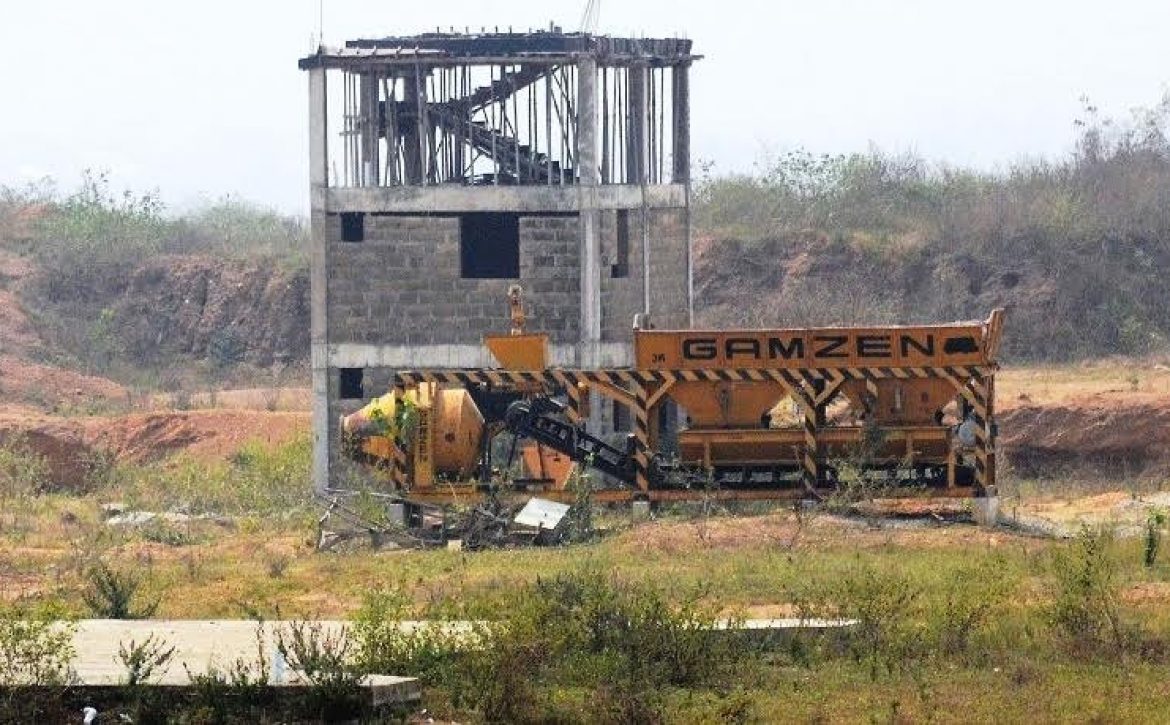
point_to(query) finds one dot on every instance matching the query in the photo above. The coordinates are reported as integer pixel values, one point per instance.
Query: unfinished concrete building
(446, 167)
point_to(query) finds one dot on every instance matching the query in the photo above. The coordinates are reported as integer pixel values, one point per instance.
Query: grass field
(916, 587)
(957, 623)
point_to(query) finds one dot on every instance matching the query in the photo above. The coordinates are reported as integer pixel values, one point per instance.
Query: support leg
(641, 411)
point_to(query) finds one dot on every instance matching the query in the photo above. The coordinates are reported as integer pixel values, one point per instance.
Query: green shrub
(579, 646)
(23, 472)
(36, 649)
(322, 659)
(384, 645)
(1153, 540)
(161, 532)
(232, 227)
(885, 605)
(111, 594)
(881, 238)
(260, 478)
(1086, 586)
(965, 602)
(902, 620)
(36, 646)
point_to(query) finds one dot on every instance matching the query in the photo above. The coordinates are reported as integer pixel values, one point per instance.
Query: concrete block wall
(621, 298)
(402, 283)
(669, 286)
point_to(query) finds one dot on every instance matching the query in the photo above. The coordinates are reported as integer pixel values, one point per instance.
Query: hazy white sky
(202, 98)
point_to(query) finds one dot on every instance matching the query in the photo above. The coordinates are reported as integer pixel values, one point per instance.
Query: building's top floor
(543, 108)
(542, 46)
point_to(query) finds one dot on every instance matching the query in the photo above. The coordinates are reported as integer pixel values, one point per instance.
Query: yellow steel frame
(643, 392)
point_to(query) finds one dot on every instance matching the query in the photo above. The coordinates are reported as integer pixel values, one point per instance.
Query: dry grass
(292, 399)
(745, 566)
(741, 563)
(1114, 379)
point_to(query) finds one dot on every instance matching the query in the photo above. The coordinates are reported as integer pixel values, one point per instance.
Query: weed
(110, 594)
(386, 642)
(238, 688)
(1153, 540)
(882, 603)
(584, 631)
(323, 659)
(257, 480)
(36, 649)
(622, 641)
(23, 473)
(1085, 611)
(580, 524)
(276, 565)
(160, 532)
(146, 660)
(967, 600)
(36, 646)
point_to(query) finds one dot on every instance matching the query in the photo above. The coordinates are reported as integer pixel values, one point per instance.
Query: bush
(383, 645)
(902, 621)
(1085, 610)
(582, 645)
(1077, 247)
(145, 661)
(91, 238)
(88, 244)
(232, 227)
(23, 472)
(887, 635)
(622, 642)
(110, 594)
(323, 660)
(36, 647)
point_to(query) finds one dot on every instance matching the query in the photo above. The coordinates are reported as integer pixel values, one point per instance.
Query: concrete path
(205, 646)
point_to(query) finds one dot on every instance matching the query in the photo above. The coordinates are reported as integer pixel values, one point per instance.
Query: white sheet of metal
(540, 513)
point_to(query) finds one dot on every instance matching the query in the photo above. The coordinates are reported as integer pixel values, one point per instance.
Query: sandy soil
(70, 445)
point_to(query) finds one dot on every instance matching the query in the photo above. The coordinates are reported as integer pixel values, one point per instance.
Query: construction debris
(407, 524)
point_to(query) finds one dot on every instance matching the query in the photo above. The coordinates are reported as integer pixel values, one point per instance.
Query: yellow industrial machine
(442, 428)
(763, 414)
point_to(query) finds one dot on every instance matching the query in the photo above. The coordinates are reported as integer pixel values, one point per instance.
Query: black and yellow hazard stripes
(642, 391)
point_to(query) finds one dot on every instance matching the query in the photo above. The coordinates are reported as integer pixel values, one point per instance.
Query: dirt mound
(227, 310)
(52, 387)
(75, 448)
(1112, 437)
(17, 333)
(809, 278)
(60, 443)
(207, 434)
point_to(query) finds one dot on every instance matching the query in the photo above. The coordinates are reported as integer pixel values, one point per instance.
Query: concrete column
(636, 126)
(410, 128)
(318, 273)
(587, 148)
(681, 113)
(371, 161)
(986, 511)
(590, 218)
